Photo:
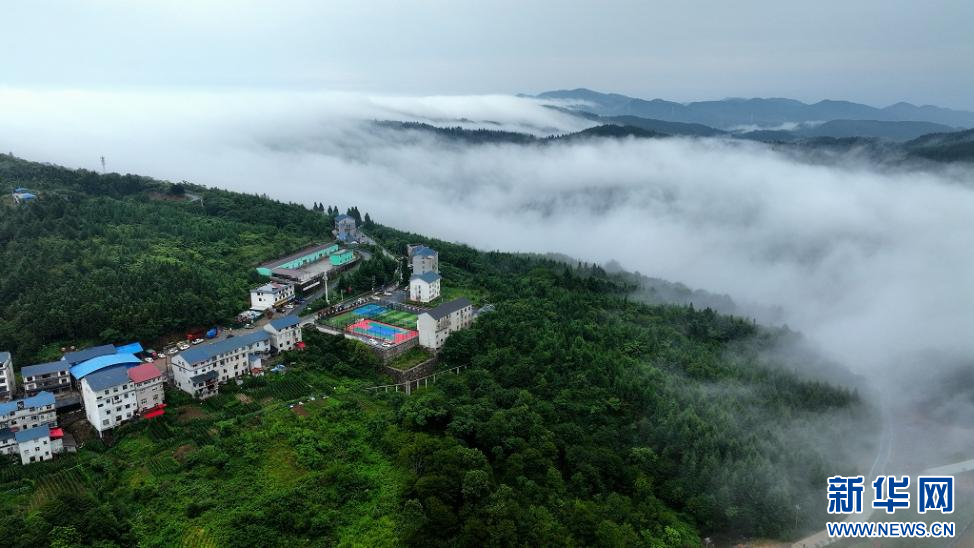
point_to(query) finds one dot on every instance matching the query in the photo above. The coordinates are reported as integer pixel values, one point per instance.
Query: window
(104, 422)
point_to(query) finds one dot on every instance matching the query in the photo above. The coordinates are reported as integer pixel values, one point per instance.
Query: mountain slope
(770, 112)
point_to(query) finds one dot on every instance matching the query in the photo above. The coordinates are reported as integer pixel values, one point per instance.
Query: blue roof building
(32, 434)
(285, 322)
(44, 368)
(89, 353)
(108, 378)
(40, 400)
(88, 367)
(205, 352)
(130, 348)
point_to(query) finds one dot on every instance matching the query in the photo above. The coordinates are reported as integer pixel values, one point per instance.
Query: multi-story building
(423, 259)
(109, 397)
(33, 444)
(29, 412)
(345, 228)
(285, 333)
(424, 287)
(436, 324)
(28, 427)
(8, 382)
(271, 295)
(201, 369)
(147, 381)
(54, 377)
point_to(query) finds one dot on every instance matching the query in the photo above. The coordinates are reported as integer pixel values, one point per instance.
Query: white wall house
(28, 413)
(423, 259)
(36, 444)
(26, 428)
(435, 325)
(147, 381)
(424, 287)
(200, 370)
(54, 377)
(8, 382)
(285, 333)
(270, 295)
(109, 398)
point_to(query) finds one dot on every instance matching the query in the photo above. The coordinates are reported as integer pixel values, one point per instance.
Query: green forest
(582, 417)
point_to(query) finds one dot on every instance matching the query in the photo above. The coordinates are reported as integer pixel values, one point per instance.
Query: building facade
(271, 295)
(345, 228)
(29, 412)
(285, 333)
(109, 398)
(435, 325)
(199, 371)
(28, 428)
(423, 259)
(147, 381)
(8, 381)
(424, 287)
(54, 377)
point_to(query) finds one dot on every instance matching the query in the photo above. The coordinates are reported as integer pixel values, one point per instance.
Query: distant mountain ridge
(765, 113)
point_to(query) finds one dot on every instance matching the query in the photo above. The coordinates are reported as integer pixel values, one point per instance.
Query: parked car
(197, 341)
(172, 350)
(183, 346)
(249, 326)
(289, 306)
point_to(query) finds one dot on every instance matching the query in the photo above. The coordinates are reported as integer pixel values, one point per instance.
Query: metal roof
(4, 357)
(31, 434)
(203, 377)
(88, 353)
(130, 348)
(204, 352)
(428, 277)
(286, 321)
(144, 372)
(108, 378)
(44, 368)
(446, 309)
(297, 255)
(40, 400)
(342, 217)
(101, 362)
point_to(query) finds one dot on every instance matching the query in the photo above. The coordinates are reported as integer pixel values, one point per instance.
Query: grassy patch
(411, 358)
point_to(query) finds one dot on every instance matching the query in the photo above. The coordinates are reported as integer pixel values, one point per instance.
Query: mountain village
(113, 384)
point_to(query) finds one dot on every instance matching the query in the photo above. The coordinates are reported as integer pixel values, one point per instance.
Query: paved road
(822, 537)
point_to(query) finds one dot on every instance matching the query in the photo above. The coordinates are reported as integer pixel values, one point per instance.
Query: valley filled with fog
(871, 262)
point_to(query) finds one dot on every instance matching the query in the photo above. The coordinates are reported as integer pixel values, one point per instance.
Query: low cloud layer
(872, 264)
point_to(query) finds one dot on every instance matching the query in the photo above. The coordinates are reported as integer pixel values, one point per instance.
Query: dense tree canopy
(581, 417)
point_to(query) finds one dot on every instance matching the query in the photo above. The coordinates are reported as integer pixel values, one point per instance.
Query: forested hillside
(582, 417)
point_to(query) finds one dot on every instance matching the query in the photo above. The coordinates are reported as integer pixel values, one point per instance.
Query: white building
(200, 370)
(28, 428)
(147, 381)
(34, 444)
(54, 377)
(424, 287)
(270, 295)
(8, 382)
(109, 398)
(345, 228)
(285, 333)
(435, 325)
(423, 259)
(28, 413)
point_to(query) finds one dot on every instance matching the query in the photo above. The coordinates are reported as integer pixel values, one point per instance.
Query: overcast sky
(873, 51)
